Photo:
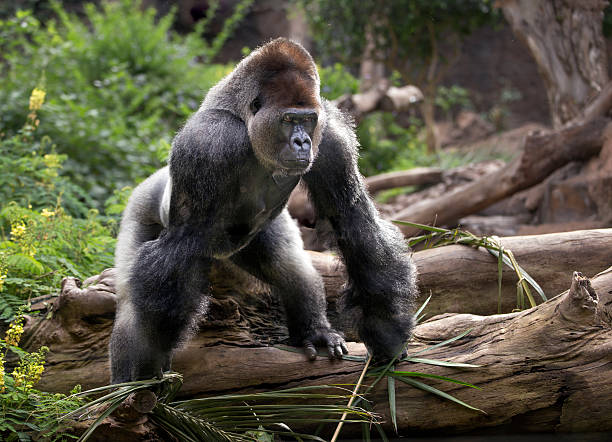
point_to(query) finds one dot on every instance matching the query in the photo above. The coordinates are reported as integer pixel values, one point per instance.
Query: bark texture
(565, 38)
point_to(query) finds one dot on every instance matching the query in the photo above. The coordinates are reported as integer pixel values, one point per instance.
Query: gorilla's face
(284, 125)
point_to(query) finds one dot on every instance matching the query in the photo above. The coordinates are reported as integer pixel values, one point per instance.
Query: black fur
(223, 196)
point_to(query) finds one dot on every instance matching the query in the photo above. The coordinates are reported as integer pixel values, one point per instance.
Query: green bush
(336, 80)
(40, 240)
(385, 145)
(119, 86)
(26, 413)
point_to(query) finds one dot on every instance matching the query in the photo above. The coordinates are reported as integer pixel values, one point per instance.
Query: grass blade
(440, 344)
(441, 363)
(422, 307)
(391, 391)
(417, 374)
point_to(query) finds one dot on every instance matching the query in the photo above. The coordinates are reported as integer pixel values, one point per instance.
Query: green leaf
(417, 374)
(422, 307)
(433, 390)
(25, 263)
(391, 391)
(440, 344)
(441, 363)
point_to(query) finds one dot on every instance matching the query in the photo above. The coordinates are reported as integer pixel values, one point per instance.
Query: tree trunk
(543, 369)
(565, 38)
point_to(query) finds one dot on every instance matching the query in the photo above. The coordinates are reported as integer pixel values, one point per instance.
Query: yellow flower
(30, 369)
(2, 373)
(47, 213)
(37, 98)
(2, 279)
(13, 334)
(18, 230)
(52, 161)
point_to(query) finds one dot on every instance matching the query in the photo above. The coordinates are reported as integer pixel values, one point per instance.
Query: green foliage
(119, 86)
(37, 249)
(405, 30)
(26, 413)
(29, 169)
(336, 80)
(385, 145)
(452, 98)
(40, 240)
(232, 417)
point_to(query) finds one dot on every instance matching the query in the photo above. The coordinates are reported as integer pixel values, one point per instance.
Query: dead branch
(542, 154)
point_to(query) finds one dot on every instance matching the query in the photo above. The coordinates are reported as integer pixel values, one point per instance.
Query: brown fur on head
(278, 77)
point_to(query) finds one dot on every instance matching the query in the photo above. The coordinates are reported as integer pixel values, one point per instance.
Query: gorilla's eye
(255, 105)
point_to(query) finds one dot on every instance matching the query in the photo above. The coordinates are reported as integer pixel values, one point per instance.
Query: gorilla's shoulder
(212, 130)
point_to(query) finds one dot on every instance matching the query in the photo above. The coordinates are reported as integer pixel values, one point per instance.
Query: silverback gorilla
(260, 131)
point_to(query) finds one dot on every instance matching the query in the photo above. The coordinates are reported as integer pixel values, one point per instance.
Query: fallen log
(302, 210)
(542, 369)
(462, 279)
(542, 154)
(413, 177)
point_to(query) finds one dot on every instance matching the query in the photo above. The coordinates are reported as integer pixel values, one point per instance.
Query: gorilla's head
(284, 116)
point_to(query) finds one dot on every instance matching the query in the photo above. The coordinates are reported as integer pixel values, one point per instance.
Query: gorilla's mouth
(295, 166)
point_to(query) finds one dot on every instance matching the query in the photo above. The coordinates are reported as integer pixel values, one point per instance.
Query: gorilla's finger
(338, 352)
(344, 348)
(310, 350)
(330, 350)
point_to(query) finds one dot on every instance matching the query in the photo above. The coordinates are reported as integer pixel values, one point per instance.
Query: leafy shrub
(119, 87)
(40, 241)
(29, 169)
(336, 80)
(452, 98)
(25, 411)
(385, 145)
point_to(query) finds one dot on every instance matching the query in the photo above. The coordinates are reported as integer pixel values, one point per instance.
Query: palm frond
(438, 237)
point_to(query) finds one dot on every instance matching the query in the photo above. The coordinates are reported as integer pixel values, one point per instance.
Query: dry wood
(413, 177)
(543, 369)
(463, 279)
(134, 408)
(600, 105)
(542, 154)
(301, 208)
(379, 97)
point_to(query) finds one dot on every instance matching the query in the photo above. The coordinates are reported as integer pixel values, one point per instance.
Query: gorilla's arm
(381, 273)
(163, 279)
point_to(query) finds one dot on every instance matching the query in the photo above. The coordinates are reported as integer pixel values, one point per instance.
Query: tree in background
(415, 39)
(566, 40)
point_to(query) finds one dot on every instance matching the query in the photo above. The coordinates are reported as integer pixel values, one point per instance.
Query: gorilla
(258, 133)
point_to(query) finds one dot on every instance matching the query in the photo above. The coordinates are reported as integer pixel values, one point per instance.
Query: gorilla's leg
(162, 291)
(276, 256)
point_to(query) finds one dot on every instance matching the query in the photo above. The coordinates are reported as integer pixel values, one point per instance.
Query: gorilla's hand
(327, 337)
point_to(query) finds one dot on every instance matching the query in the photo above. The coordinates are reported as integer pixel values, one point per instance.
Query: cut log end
(134, 408)
(580, 304)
